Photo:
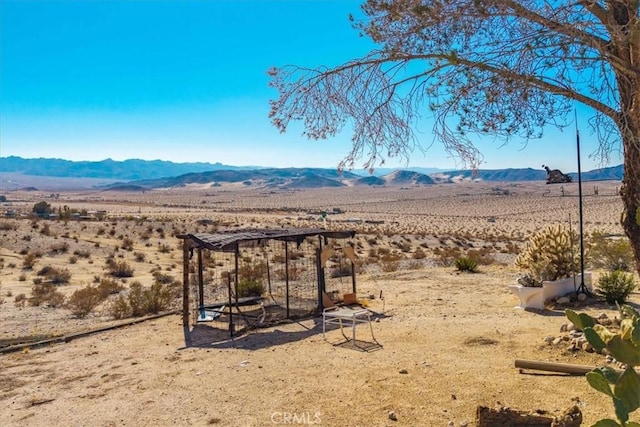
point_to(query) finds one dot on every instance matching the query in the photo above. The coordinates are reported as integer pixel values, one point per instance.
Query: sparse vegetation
(615, 286)
(466, 264)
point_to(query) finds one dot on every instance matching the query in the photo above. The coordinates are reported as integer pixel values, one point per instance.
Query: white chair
(350, 315)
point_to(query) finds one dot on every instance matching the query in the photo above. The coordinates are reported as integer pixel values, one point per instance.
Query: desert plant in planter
(548, 258)
(624, 345)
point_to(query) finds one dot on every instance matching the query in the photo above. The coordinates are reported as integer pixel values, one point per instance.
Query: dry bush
(46, 293)
(81, 253)
(139, 256)
(20, 300)
(483, 256)
(108, 286)
(84, 300)
(59, 248)
(119, 268)
(29, 261)
(419, 253)
(8, 226)
(140, 301)
(54, 275)
(446, 256)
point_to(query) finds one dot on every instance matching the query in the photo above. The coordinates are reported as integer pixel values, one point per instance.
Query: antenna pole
(582, 288)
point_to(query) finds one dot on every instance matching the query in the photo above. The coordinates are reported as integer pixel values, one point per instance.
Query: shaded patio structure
(249, 278)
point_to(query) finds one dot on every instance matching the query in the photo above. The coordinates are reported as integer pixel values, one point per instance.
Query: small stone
(549, 339)
(393, 416)
(582, 297)
(564, 327)
(557, 341)
(464, 423)
(587, 347)
(563, 300)
(451, 424)
(404, 371)
(602, 316)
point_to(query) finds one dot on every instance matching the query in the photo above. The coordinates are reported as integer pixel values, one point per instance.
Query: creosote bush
(84, 300)
(140, 300)
(46, 293)
(119, 268)
(610, 253)
(615, 286)
(250, 288)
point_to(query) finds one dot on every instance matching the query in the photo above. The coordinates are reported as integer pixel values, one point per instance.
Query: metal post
(582, 288)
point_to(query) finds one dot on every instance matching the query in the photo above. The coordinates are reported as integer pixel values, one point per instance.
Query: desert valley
(446, 339)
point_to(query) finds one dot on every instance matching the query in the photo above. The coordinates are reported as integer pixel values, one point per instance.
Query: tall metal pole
(582, 288)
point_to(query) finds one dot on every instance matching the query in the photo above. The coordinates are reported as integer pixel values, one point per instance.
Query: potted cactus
(548, 259)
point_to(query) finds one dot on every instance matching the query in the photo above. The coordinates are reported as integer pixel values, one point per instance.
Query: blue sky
(186, 81)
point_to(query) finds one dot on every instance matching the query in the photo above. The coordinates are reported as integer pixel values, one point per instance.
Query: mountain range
(135, 173)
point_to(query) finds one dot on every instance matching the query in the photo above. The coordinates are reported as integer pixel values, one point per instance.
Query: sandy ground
(443, 342)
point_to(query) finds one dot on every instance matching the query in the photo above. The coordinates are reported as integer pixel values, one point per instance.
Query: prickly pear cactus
(550, 254)
(624, 345)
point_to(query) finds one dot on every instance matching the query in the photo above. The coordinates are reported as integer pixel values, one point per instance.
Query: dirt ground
(443, 342)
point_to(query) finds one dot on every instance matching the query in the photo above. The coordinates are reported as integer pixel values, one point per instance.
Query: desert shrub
(119, 268)
(20, 300)
(550, 254)
(446, 256)
(483, 256)
(157, 297)
(56, 276)
(84, 300)
(252, 270)
(343, 270)
(22, 278)
(127, 244)
(389, 265)
(162, 278)
(140, 301)
(59, 248)
(419, 253)
(107, 286)
(45, 230)
(29, 261)
(250, 288)
(139, 256)
(610, 254)
(164, 248)
(8, 226)
(81, 253)
(46, 293)
(615, 286)
(466, 264)
(73, 259)
(119, 308)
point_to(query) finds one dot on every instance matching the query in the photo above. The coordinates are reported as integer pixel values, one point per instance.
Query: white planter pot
(562, 287)
(535, 297)
(529, 297)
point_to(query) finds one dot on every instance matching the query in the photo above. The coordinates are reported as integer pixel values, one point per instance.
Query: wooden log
(566, 368)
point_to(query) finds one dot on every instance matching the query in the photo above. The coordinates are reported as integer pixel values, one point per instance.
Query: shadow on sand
(207, 335)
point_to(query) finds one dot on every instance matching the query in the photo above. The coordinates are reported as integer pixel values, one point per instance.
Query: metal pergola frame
(233, 241)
